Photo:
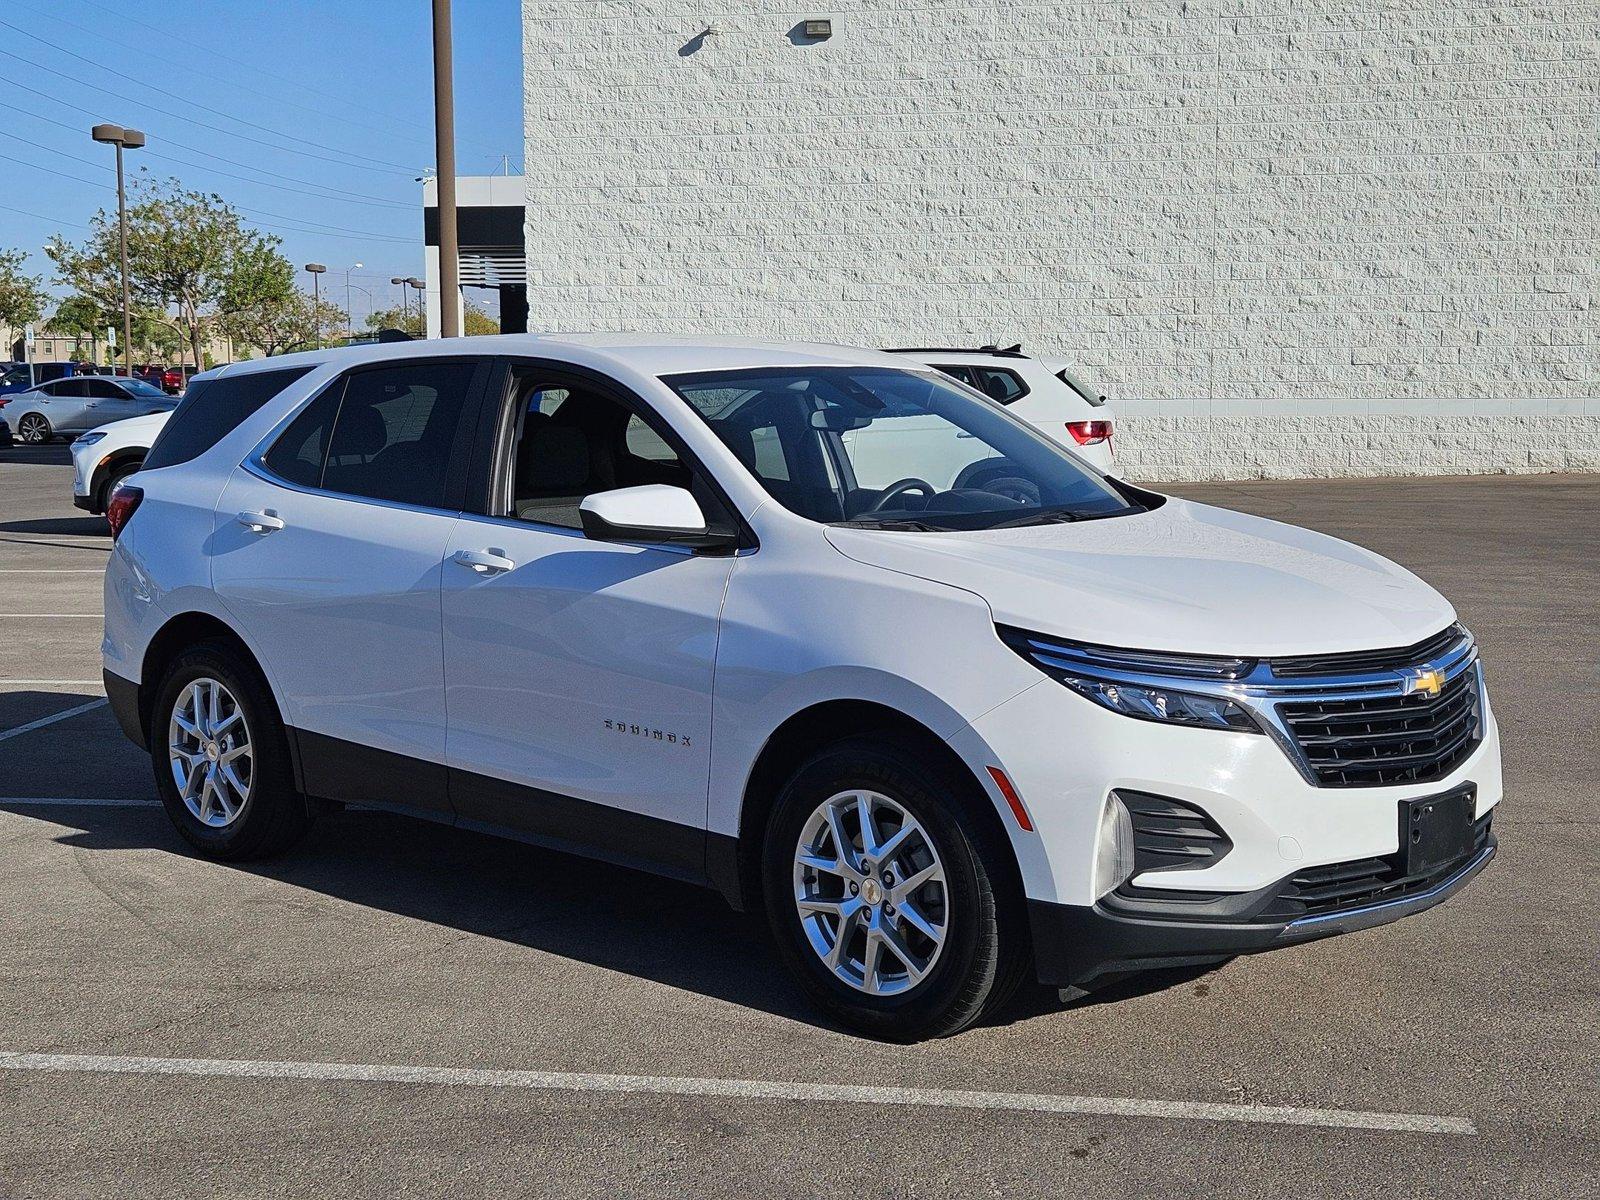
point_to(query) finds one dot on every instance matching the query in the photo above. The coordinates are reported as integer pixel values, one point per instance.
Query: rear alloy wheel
(34, 429)
(221, 756)
(208, 748)
(891, 894)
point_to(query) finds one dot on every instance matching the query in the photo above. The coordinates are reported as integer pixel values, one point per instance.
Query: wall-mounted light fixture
(821, 30)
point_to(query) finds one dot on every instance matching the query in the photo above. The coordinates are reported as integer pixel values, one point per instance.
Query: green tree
(405, 319)
(277, 324)
(22, 296)
(83, 319)
(476, 321)
(191, 258)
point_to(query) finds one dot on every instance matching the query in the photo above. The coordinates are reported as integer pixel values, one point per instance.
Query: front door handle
(484, 562)
(260, 522)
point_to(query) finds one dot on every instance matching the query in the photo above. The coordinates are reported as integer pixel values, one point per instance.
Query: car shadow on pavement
(669, 932)
(74, 526)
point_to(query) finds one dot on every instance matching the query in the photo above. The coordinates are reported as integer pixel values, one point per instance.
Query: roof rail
(1001, 351)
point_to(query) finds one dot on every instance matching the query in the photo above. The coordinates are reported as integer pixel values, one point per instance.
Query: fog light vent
(1170, 835)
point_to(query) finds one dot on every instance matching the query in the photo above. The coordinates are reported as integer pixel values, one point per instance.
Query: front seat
(552, 471)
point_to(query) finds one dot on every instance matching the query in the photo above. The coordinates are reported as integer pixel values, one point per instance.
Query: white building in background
(1294, 238)
(489, 221)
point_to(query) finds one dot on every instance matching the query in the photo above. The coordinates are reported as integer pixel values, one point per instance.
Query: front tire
(34, 429)
(110, 485)
(221, 757)
(888, 897)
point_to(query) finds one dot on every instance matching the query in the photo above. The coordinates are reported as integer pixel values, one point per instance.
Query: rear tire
(214, 723)
(33, 429)
(950, 950)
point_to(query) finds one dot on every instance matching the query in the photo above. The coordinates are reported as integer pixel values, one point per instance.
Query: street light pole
(444, 137)
(405, 299)
(122, 139)
(422, 317)
(315, 270)
(349, 313)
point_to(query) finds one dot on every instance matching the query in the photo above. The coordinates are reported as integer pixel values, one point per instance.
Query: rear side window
(212, 409)
(386, 434)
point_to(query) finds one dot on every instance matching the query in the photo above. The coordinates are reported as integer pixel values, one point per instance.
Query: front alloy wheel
(208, 745)
(891, 891)
(869, 889)
(33, 429)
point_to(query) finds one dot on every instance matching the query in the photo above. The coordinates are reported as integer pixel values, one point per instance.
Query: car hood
(1183, 577)
(148, 425)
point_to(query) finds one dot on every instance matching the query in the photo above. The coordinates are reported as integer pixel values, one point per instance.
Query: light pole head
(397, 279)
(416, 283)
(116, 135)
(316, 268)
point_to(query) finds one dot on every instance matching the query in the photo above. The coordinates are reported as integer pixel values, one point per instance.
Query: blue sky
(325, 110)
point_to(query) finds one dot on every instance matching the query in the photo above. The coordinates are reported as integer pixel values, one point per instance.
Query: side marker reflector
(1014, 800)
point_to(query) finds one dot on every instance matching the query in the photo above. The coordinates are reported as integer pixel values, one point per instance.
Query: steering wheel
(899, 488)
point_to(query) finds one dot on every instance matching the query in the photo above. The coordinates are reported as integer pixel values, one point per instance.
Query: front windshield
(890, 448)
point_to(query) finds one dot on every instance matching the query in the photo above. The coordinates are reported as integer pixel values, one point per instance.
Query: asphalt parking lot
(398, 1009)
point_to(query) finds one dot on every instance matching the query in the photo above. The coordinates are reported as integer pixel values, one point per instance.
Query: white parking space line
(6, 682)
(51, 571)
(19, 730)
(85, 616)
(739, 1089)
(75, 802)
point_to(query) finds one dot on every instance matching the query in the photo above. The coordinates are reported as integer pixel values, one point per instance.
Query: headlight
(88, 439)
(1135, 682)
(1162, 704)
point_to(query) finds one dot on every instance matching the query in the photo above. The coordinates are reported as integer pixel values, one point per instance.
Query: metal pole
(444, 126)
(122, 237)
(316, 304)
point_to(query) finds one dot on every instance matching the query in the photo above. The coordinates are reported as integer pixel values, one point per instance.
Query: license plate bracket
(1436, 830)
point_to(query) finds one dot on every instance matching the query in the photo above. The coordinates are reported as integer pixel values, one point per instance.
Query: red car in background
(174, 380)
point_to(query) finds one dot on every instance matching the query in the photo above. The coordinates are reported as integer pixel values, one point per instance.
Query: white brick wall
(1206, 203)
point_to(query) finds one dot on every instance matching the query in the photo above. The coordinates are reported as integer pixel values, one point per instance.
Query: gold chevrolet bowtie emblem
(1428, 682)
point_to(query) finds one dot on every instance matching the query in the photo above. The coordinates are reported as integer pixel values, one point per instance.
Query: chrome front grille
(1387, 739)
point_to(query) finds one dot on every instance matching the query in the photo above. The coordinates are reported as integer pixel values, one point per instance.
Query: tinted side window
(395, 432)
(100, 389)
(301, 449)
(1004, 386)
(71, 388)
(212, 409)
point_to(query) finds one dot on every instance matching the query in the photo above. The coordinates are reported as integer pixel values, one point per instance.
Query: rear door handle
(484, 562)
(260, 522)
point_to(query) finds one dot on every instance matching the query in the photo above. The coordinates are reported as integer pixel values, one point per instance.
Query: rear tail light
(1089, 433)
(121, 506)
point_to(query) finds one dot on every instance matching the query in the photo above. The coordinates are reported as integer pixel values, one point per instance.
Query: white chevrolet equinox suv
(702, 608)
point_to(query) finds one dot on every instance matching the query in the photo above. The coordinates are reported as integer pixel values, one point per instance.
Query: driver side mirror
(653, 513)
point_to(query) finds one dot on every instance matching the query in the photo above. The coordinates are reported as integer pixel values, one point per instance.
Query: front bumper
(1083, 945)
(84, 502)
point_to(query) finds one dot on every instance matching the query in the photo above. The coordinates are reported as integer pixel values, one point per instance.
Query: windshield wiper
(1051, 516)
(894, 523)
(1063, 517)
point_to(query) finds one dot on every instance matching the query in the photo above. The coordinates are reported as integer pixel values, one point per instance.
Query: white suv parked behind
(631, 598)
(104, 457)
(1044, 392)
